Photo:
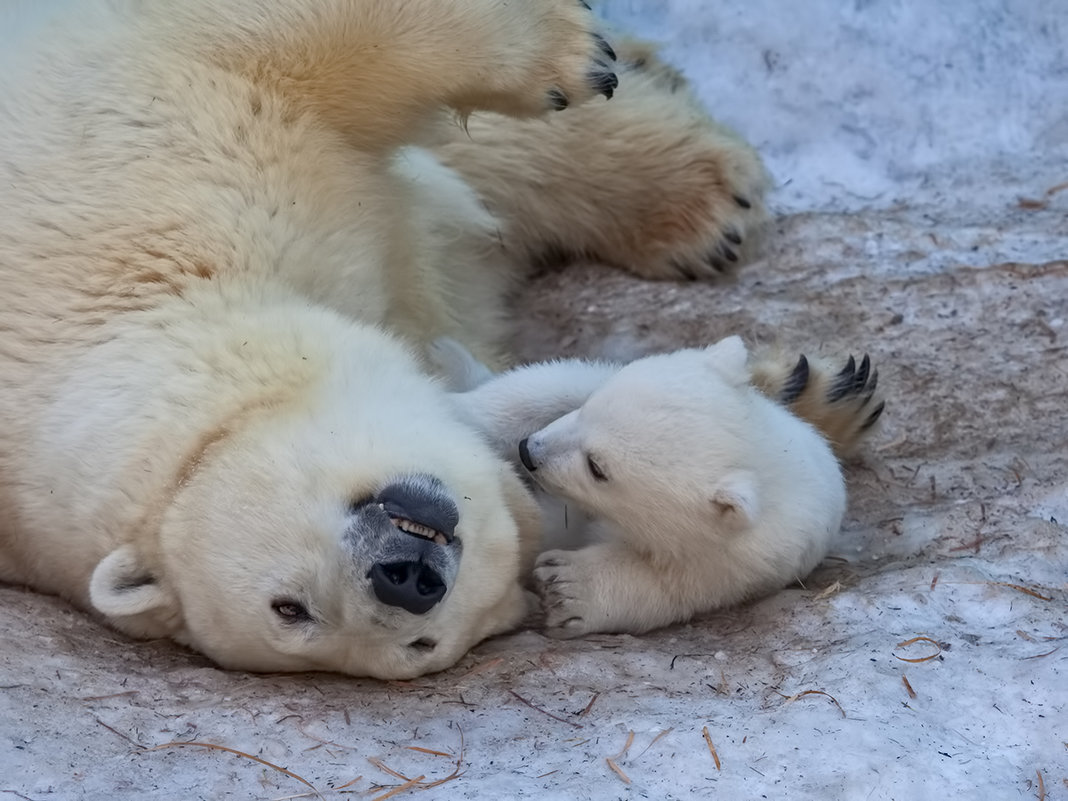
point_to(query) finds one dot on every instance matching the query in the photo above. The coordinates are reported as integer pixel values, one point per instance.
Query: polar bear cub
(703, 491)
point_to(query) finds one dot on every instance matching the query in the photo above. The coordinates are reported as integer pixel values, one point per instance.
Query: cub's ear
(133, 599)
(730, 358)
(736, 500)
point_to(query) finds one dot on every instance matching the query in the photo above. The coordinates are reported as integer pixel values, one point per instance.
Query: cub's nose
(413, 586)
(524, 456)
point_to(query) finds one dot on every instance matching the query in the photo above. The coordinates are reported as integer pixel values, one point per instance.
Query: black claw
(741, 201)
(843, 382)
(716, 263)
(732, 236)
(872, 385)
(861, 378)
(604, 82)
(849, 369)
(585, 5)
(605, 47)
(730, 255)
(558, 100)
(796, 382)
(874, 416)
(684, 270)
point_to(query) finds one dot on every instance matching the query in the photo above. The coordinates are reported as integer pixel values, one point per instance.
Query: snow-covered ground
(903, 135)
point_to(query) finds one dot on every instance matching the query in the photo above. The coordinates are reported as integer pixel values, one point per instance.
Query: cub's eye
(291, 611)
(595, 469)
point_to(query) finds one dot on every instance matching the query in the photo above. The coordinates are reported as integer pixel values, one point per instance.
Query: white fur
(712, 493)
(219, 266)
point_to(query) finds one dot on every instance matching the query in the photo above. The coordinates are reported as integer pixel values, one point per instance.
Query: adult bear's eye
(291, 611)
(595, 469)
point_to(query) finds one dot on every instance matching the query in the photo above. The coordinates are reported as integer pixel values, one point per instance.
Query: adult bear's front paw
(548, 56)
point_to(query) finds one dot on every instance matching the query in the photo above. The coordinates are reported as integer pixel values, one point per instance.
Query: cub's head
(366, 532)
(663, 439)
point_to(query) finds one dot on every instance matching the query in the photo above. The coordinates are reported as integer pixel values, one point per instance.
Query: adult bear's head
(358, 527)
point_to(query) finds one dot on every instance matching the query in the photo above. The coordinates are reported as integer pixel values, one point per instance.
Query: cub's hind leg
(843, 403)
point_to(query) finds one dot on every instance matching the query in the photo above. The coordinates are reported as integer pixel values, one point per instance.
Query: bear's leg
(377, 71)
(841, 402)
(509, 407)
(608, 587)
(644, 181)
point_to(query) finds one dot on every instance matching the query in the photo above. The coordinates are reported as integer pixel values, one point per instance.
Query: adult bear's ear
(736, 500)
(132, 597)
(730, 359)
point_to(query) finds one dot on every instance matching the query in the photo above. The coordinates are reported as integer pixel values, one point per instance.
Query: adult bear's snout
(413, 586)
(407, 532)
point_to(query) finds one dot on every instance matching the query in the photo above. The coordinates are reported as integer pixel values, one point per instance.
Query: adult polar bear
(219, 272)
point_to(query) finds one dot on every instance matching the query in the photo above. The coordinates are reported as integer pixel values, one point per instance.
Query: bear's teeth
(419, 530)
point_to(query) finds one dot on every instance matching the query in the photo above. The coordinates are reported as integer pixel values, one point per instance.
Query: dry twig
(589, 706)
(430, 751)
(544, 711)
(618, 770)
(927, 658)
(908, 687)
(1043, 202)
(215, 747)
(654, 741)
(1019, 588)
(791, 698)
(711, 748)
(1039, 656)
(113, 695)
(400, 788)
(612, 759)
(120, 734)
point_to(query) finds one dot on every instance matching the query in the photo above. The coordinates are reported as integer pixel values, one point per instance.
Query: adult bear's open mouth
(419, 505)
(417, 529)
(414, 571)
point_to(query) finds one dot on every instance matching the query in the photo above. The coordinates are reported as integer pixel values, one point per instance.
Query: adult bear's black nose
(414, 586)
(524, 456)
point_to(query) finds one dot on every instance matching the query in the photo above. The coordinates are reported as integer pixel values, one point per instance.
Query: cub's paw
(843, 402)
(548, 54)
(564, 582)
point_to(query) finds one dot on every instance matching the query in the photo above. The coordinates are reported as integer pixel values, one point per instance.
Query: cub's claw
(796, 382)
(854, 381)
(874, 416)
(841, 402)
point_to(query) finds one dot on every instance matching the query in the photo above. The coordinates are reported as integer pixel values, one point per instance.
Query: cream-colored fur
(703, 492)
(644, 181)
(228, 231)
(206, 232)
